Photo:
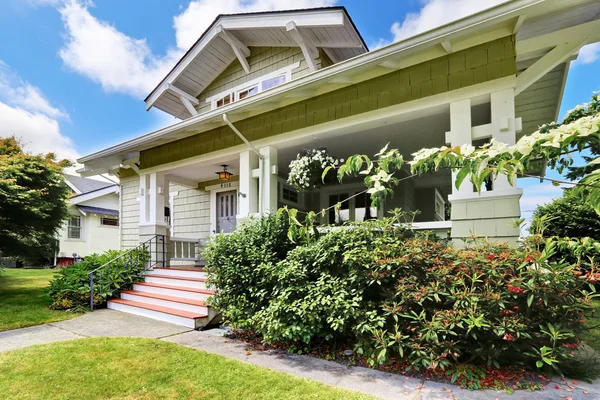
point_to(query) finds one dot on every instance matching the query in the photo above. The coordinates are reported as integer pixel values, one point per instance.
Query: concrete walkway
(113, 323)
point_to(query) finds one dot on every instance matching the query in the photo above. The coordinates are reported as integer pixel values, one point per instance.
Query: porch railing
(134, 262)
(184, 249)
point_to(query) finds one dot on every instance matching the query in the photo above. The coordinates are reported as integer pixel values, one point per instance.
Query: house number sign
(226, 185)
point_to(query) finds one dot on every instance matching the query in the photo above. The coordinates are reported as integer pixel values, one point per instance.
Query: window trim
(69, 226)
(109, 225)
(234, 91)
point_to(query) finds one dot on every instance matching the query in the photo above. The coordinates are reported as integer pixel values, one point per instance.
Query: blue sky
(73, 73)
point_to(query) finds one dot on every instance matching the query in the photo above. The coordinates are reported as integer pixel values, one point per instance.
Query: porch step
(188, 319)
(182, 271)
(199, 283)
(179, 303)
(171, 290)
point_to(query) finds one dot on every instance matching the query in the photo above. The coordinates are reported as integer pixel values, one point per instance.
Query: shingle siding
(190, 213)
(130, 210)
(464, 68)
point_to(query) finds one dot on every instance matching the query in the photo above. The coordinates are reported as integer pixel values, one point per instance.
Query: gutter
(435, 36)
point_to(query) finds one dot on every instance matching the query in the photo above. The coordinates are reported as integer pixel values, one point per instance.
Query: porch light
(224, 175)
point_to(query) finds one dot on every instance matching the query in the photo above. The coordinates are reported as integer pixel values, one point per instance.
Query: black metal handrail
(154, 246)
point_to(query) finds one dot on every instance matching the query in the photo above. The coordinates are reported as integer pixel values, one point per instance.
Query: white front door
(226, 211)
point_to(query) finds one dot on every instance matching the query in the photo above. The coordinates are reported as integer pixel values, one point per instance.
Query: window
(242, 94)
(440, 205)
(362, 208)
(341, 215)
(74, 227)
(223, 101)
(271, 83)
(289, 195)
(109, 221)
(253, 87)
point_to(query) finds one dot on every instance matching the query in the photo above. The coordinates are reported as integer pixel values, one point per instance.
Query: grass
(23, 300)
(126, 368)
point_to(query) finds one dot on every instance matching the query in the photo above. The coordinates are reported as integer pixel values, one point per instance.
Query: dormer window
(253, 87)
(223, 101)
(242, 94)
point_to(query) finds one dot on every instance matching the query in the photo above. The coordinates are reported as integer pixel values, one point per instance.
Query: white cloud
(27, 114)
(99, 51)
(40, 133)
(17, 92)
(120, 63)
(435, 13)
(588, 54)
(199, 14)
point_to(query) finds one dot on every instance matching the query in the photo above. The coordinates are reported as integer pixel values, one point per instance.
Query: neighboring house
(257, 88)
(93, 223)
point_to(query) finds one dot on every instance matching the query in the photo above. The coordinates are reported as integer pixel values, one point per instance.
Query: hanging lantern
(224, 175)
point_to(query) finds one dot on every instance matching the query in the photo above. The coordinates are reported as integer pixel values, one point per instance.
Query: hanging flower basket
(306, 170)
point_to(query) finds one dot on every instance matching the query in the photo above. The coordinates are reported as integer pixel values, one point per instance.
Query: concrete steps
(177, 295)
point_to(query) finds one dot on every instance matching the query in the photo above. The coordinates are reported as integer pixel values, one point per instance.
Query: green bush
(570, 215)
(392, 295)
(237, 263)
(70, 289)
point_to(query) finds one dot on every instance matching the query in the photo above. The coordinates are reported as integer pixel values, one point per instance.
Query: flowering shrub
(376, 286)
(306, 169)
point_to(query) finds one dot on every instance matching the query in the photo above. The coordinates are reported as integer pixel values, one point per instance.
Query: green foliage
(33, 201)
(237, 265)
(70, 289)
(393, 295)
(569, 216)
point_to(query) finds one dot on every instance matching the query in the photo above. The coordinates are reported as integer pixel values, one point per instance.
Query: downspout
(260, 164)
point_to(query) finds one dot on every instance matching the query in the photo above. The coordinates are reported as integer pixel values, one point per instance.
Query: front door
(226, 211)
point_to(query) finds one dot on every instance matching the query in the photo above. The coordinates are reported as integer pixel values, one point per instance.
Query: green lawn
(23, 300)
(124, 368)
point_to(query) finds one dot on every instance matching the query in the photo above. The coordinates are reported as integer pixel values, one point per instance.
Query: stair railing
(136, 261)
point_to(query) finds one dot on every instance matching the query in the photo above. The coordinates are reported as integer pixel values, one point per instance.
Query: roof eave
(437, 35)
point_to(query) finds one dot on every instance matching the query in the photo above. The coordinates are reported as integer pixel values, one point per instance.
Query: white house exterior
(256, 89)
(93, 223)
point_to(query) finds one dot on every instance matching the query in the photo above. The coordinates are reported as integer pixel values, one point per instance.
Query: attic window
(223, 101)
(253, 87)
(242, 94)
(270, 83)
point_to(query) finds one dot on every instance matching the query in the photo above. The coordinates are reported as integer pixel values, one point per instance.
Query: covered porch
(258, 183)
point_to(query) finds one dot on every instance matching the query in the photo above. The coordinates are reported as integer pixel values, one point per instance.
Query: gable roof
(228, 37)
(540, 25)
(85, 185)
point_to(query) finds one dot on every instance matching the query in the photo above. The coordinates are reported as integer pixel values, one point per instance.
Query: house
(93, 223)
(255, 89)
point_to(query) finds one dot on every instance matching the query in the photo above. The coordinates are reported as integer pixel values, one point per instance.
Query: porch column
(492, 213)
(154, 192)
(268, 180)
(248, 194)
(503, 126)
(460, 133)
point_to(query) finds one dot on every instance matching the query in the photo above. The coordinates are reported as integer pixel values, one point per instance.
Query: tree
(33, 201)
(568, 216)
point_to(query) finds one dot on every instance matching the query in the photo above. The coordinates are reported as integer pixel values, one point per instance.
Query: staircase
(176, 295)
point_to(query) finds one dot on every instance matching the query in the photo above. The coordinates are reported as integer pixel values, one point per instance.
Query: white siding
(130, 212)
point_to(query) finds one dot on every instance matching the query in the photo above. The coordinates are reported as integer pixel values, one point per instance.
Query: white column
(503, 126)
(248, 198)
(269, 179)
(144, 210)
(460, 133)
(154, 192)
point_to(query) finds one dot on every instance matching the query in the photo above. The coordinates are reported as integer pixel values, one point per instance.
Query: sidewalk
(112, 323)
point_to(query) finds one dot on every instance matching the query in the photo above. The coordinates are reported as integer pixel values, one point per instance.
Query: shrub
(70, 289)
(376, 286)
(237, 263)
(571, 215)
